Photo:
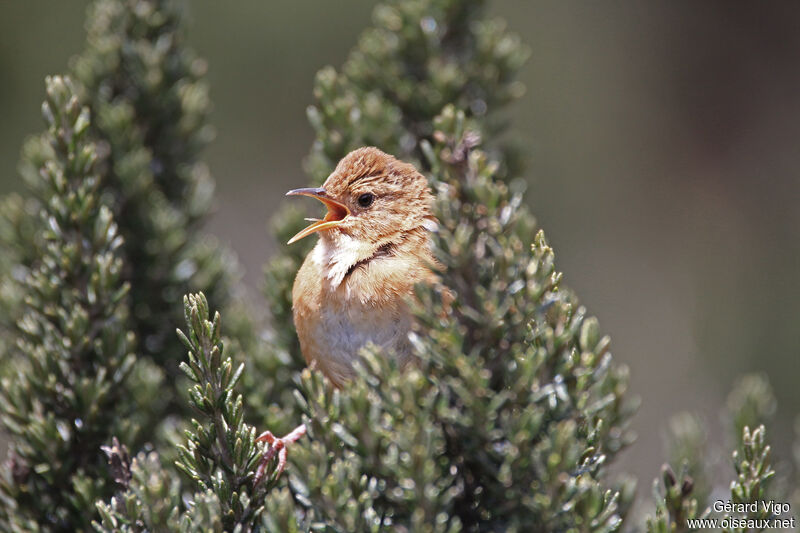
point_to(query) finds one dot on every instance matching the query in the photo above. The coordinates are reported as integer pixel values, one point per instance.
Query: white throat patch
(336, 258)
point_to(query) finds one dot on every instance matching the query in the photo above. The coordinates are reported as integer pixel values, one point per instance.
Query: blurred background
(663, 162)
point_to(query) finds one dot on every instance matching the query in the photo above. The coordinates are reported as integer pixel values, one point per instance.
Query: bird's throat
(384, 250)
(335, 253)
(339, 256)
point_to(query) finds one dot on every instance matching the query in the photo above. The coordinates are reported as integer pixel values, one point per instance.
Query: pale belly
(337, 334)
(338, 310)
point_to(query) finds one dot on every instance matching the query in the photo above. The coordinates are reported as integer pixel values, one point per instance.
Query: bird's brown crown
(384, 195)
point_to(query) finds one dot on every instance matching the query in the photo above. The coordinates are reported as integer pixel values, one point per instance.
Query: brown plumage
(374, 247)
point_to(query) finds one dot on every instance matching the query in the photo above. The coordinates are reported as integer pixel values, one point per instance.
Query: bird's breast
(335, 321)
(332, 336)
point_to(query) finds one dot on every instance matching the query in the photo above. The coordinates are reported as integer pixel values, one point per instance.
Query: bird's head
(371, 197)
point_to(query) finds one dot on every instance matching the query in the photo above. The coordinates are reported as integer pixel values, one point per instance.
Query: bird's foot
(276, 446)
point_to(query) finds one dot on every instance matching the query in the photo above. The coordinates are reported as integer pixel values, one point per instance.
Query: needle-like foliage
(682, 503)
(675, 503)
(220, 454)
(67, 364)
(143, 120)
(149, 104)
(749, 507)
(147, 91)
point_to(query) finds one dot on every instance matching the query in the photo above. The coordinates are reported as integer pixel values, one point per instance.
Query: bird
(374, 246)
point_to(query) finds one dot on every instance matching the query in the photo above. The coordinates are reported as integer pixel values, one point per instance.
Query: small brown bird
(373, 248)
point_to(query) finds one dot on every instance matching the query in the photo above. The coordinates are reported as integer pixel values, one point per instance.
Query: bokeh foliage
(150, 104)
(121, 156)
(686, 495)
(65, 386)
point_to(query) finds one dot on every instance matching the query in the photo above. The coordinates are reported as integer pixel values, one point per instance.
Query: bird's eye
(365, 200)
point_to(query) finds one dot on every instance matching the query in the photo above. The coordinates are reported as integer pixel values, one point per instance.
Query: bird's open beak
(336, 212)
